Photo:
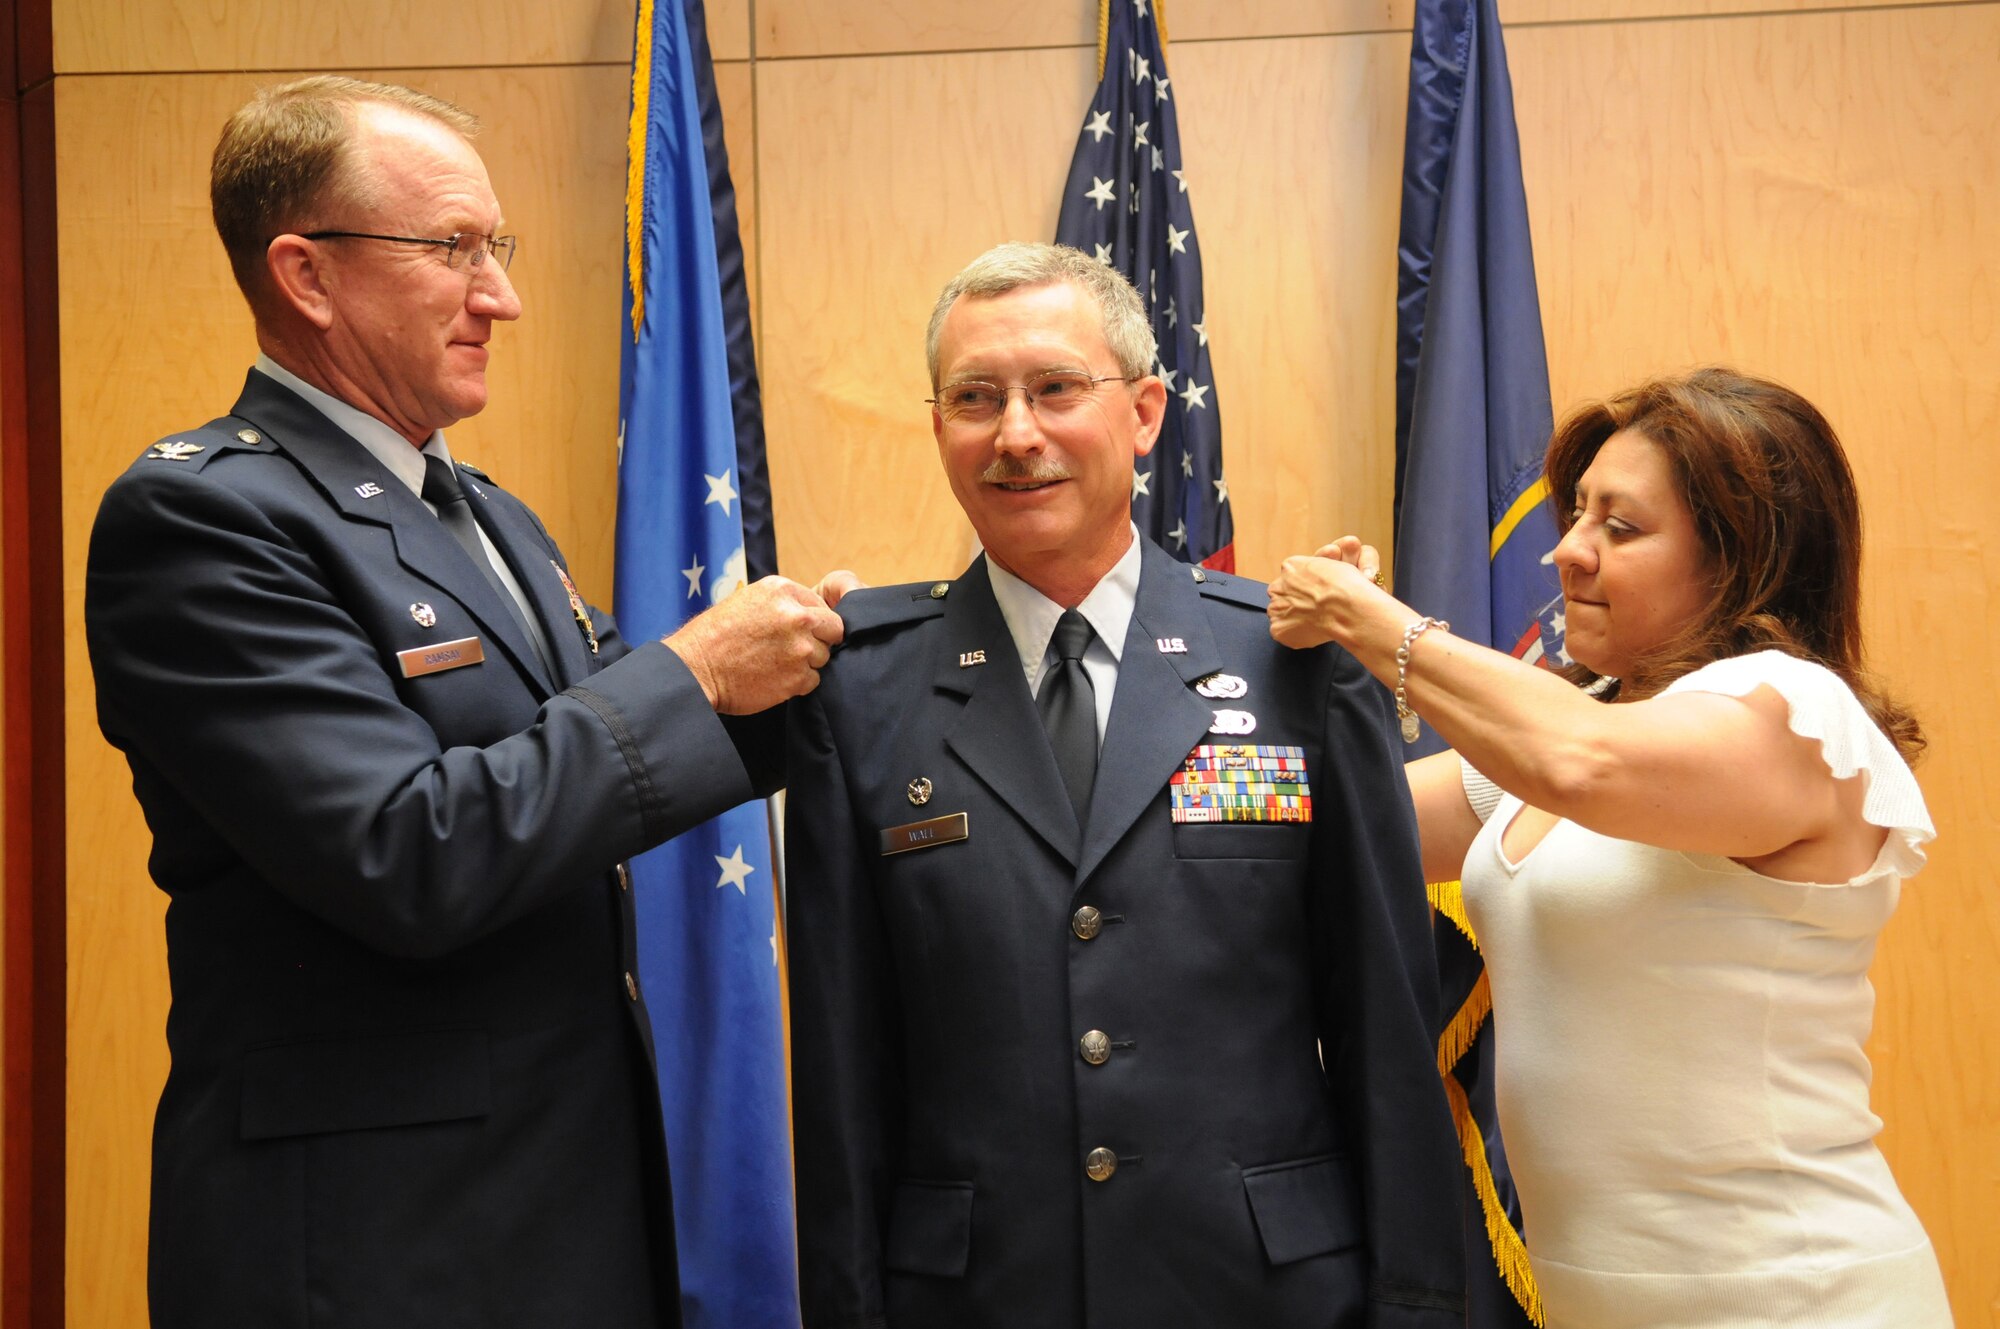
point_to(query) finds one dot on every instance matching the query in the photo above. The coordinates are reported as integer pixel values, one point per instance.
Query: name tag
(421, 660)
(923, 834)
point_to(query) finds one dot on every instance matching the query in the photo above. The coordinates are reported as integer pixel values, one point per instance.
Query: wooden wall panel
(169, 36)
(166, 36)
(1811, 197)
(804, 29)
(159, 338)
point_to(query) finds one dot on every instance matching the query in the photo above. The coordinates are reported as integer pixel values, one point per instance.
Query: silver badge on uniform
(920, 790)
(1221, 687)
(967, 659)
(1233, 722)
(178, 450)
(425, 616)
(1171, 645)
(369, 490)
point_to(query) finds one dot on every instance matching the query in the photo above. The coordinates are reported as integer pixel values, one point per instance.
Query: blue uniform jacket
(944, 996)
(411, 1079)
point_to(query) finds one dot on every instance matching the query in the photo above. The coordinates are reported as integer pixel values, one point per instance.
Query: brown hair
(1776, 510)
(283, 158)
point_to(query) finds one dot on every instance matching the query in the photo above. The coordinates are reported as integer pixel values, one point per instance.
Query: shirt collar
(383, 443)
(1031, 616)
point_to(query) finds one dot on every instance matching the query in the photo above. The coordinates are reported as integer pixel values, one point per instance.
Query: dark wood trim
(33, 884)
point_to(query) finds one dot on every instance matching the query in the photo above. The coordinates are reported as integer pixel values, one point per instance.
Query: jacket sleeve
(1379, 999)
(229, 670)
(846, 1038)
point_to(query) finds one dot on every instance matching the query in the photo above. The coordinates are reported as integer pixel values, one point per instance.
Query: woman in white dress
(1677, 894)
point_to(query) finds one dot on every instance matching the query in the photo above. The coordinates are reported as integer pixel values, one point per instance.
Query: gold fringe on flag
(1464, 1026)
(1509, 1254)
(1449, 899)
(635, 163)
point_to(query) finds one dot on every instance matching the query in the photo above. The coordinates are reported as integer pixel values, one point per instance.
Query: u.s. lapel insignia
(1221, 687)
(1233, 722)
(920, 790)
(967, 659)
(369, 490)
(576, 607)
(1171, 645)
(425, 616)
(178, 450)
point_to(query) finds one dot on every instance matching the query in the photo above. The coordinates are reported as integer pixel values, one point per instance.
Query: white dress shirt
(1031, 621)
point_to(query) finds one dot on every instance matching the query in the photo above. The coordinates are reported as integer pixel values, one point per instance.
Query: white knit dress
(1679, 1067)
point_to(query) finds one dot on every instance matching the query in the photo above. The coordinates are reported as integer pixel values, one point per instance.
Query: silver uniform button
(624, 878)
(1095, 1046)
(939, 591)
(1086, 921)
(631, 986)
(249, 436)
(1099, 1164)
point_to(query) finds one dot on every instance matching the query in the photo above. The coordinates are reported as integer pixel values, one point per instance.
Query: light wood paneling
(154, 336)
(1811, 197)
(805, 29)
(174, 36)
(735, 89)
(134, 36)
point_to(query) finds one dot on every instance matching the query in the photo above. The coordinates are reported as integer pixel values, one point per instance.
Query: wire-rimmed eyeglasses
(1050, 395)
(465, 249)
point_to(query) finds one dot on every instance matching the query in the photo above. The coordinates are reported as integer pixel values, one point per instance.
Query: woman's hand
(1315, 599)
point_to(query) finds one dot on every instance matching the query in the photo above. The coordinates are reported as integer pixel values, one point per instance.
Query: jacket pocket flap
(930, 1228)
(346, 1084)
(1303, 1208)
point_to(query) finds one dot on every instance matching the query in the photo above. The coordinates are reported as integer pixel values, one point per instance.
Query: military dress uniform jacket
(1058, 1076)
(411, 1072)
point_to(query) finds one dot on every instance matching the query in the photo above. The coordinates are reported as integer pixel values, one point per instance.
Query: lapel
(1156, 717)
(998, 733)
(509, 527)
(343, 469)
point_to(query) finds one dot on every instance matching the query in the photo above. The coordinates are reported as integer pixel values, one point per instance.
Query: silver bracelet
(1411, 725)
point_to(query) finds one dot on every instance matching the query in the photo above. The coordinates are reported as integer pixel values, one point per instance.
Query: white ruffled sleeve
(1824, 708)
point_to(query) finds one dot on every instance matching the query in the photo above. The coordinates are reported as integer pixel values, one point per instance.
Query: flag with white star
(1474, 532)
(1127, 203)
(691, 501)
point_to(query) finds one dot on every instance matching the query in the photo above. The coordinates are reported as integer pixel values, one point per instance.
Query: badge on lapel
(1241, 782)
(576, 607)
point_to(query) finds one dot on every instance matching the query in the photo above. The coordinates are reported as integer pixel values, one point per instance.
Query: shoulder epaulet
(472, 470)
(1245, 591)
(195, 448)
(877, 607)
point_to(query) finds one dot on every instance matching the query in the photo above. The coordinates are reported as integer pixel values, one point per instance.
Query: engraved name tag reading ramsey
(421, 660)
(923, 834)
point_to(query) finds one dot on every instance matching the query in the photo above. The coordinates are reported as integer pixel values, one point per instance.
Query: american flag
(1127, 203)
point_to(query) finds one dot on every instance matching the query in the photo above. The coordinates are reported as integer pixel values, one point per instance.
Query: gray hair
(1010, 267)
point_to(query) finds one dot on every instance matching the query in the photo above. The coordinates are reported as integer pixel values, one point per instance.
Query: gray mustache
(1011, 470)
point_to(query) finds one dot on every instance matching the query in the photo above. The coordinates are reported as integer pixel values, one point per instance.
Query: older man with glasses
(1112, 988)
(393, 764)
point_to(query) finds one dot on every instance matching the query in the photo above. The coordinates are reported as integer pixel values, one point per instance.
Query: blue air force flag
(1127, 203)
(710, 939)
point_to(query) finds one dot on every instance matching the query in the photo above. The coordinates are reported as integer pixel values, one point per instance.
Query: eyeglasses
(465, 249)
(1051, 396)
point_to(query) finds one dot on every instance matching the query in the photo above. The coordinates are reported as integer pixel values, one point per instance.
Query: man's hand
(836, 584)
(762, 645)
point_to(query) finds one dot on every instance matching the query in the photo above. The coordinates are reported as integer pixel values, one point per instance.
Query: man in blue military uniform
(392, 763)
(1112, 986)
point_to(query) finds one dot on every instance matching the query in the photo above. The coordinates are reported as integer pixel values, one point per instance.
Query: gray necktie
(442, 490)
(1068, 706)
